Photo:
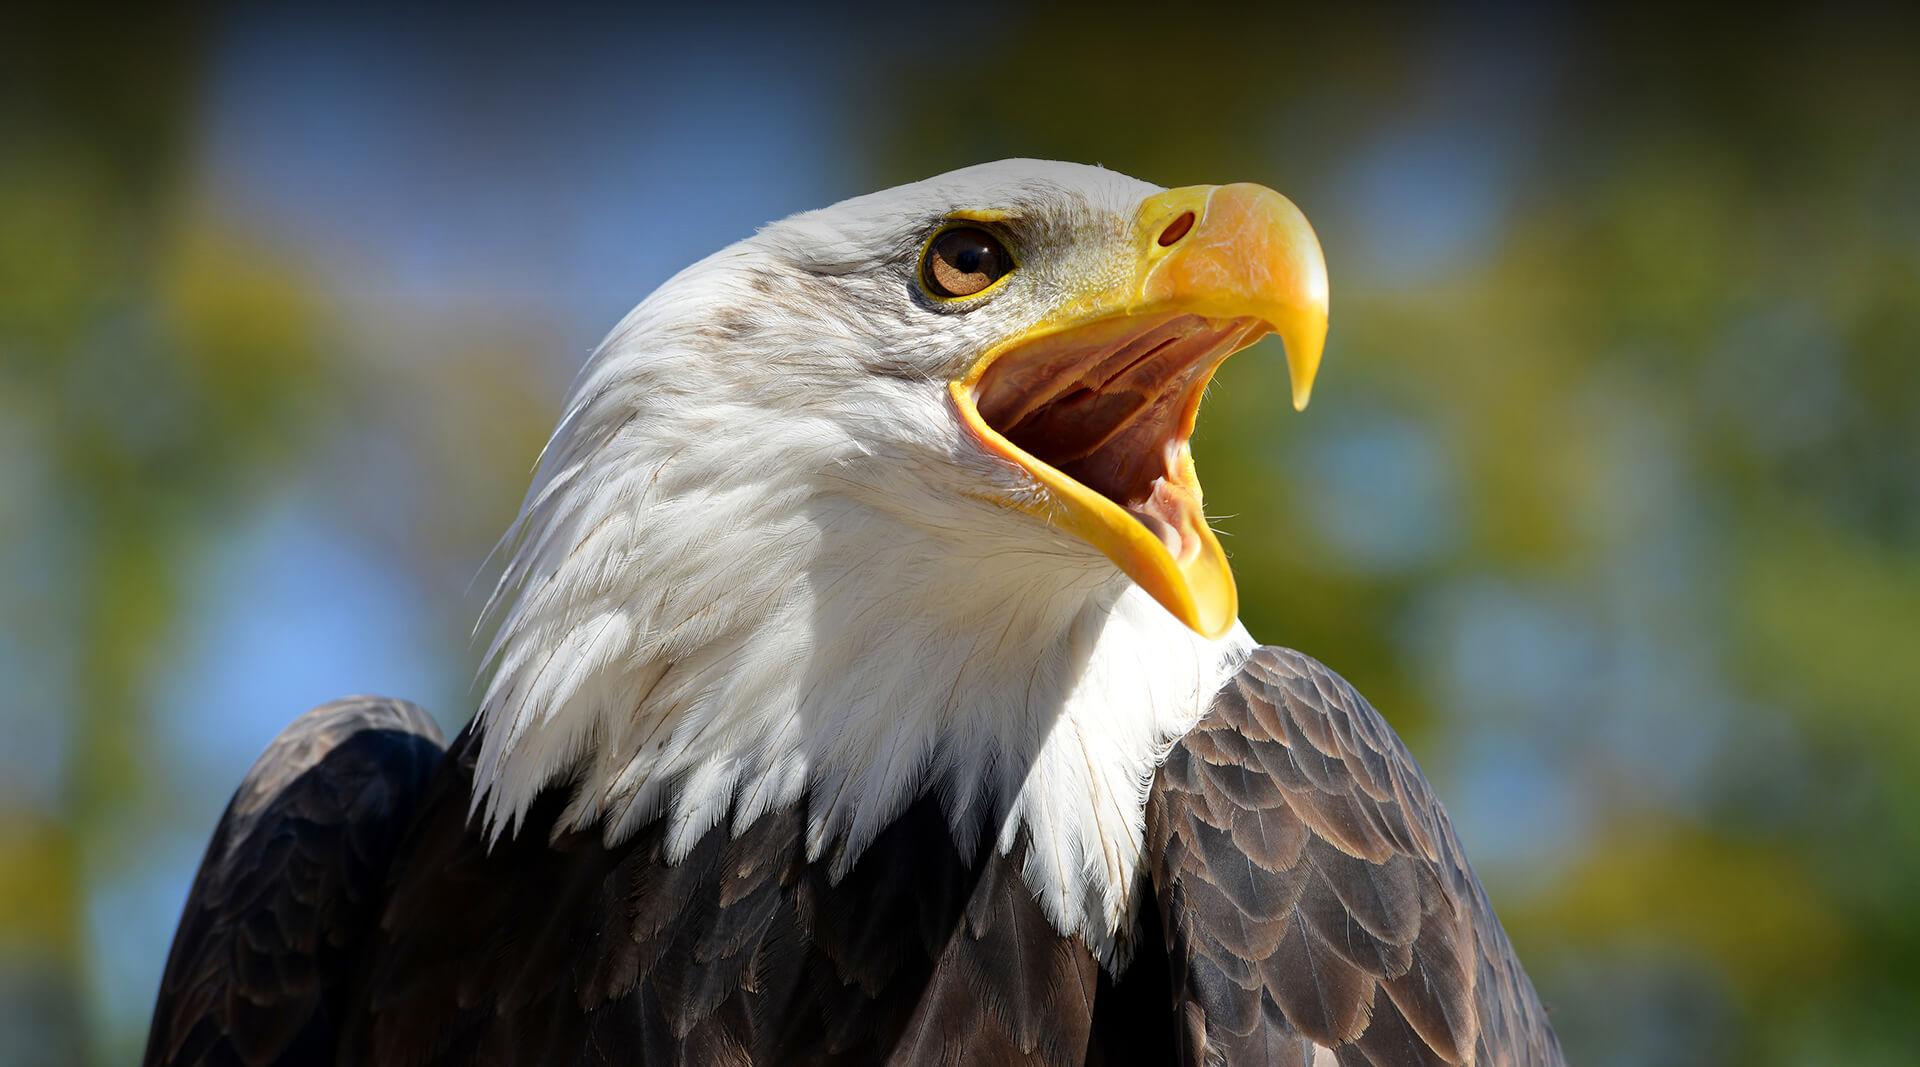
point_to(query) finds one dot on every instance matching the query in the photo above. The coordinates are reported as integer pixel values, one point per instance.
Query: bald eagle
(867, 687)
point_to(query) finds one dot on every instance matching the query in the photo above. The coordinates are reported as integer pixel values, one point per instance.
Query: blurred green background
(1609, 496)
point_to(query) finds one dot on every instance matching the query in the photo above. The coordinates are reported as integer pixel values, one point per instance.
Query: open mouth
(1096, 399)
(1112, 404)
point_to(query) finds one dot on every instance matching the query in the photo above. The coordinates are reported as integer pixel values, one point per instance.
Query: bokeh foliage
(1609, 496)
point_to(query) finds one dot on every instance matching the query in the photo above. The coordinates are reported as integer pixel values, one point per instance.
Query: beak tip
(1303, 366)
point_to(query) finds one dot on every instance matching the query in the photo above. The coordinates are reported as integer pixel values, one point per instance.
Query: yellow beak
(1098, 400)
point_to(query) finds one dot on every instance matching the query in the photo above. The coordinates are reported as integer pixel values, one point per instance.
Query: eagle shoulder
(290, 885)
(1312, 892)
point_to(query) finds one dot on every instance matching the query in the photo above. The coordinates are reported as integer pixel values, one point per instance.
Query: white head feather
(762, 562)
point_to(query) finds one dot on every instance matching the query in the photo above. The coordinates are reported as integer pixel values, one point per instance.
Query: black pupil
(972, 258)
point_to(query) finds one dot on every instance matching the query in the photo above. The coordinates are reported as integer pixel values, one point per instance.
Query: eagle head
(883, 497)
(1034, 337)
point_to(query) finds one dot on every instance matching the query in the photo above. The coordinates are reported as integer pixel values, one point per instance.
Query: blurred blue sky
(548, 167)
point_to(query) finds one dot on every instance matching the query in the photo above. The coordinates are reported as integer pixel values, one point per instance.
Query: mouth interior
(1111, 405)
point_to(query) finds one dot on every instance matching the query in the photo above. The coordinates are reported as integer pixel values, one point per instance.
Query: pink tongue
(1161, 512)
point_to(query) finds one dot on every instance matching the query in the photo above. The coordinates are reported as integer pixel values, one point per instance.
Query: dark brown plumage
(292, 882)
(1314, 892)
(568, 952)
(1306, 888)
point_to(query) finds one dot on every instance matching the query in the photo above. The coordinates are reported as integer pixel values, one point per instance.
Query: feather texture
(287, 893)
(317, 930)
(1313, 892)
(564, 950)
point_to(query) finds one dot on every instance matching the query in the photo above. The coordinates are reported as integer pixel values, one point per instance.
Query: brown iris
(964, 261)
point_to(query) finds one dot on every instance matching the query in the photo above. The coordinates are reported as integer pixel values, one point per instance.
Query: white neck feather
(731, 595)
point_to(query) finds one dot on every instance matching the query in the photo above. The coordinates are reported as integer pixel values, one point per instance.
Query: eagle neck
(1032, 691)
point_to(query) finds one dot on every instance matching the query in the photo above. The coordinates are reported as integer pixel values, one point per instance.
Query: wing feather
(289, 887)
(1312, 892)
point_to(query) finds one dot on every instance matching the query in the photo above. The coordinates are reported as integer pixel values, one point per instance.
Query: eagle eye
(963, 261)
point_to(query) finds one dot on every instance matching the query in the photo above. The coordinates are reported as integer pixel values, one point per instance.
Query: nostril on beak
(1176, 229)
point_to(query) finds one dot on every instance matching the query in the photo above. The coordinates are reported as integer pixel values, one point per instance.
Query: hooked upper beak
(1098, 400)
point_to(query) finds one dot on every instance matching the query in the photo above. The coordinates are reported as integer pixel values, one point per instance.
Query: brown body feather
(1314, 893)
(280, 913)
(1307, 890)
